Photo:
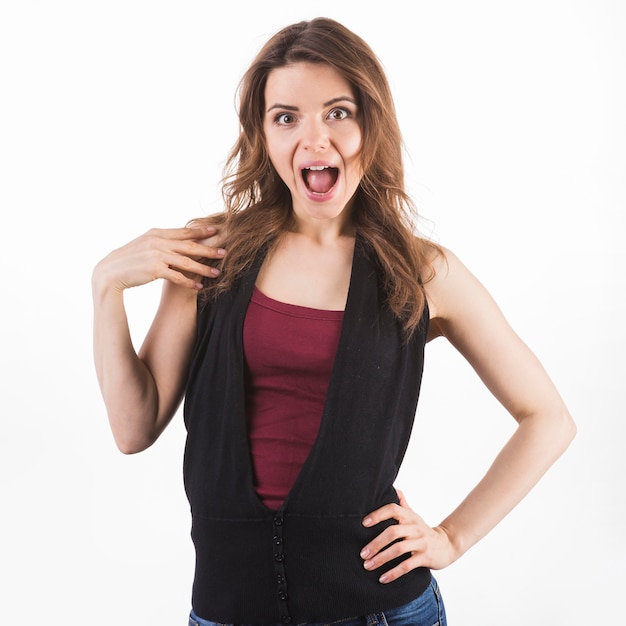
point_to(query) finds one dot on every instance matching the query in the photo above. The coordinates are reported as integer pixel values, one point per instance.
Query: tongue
(320, 181)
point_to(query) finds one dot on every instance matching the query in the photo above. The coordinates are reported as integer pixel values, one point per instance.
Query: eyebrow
(288, 107)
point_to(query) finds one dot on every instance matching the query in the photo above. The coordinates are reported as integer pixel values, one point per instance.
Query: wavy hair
(258, 203)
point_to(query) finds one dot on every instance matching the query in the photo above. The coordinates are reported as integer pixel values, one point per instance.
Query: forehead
(306, 82)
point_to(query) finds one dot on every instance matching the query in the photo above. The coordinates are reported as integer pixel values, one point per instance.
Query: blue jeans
(426, 610)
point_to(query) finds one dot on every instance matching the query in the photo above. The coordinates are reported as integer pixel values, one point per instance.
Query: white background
(116, 116)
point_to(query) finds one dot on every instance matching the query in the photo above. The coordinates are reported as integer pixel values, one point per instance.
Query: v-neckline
(308, 465)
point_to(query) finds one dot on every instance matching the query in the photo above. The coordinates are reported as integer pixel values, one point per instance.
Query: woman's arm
(142, 390)
(464, 312)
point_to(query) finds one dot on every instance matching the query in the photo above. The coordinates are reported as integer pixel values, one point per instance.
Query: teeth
(317, 167)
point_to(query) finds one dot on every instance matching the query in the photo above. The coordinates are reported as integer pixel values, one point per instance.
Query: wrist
(456, 546)
(102, 285)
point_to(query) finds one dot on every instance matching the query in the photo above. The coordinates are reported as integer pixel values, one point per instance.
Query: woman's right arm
(143, 390)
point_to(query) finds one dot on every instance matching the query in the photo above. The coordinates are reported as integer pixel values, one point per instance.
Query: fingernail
(365, 553)
(221, 251)
(214, 271)
(367, 521)
(384, 578)
(367, 565)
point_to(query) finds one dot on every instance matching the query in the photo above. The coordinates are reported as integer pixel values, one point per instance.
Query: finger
(188, 232)
(190, 265)
(203, 232)
(199, 224)
(387, 512)
(177, 268)
(192, 248)
(391, 535)
(203, 250)
(394, 551)
(413, 562)
(181, 280)
(185, 280)
(215, 240)
(182, 241)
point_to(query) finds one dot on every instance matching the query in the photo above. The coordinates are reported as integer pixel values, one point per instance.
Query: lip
(318, 197)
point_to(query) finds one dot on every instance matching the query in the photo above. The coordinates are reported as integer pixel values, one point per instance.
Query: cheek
(353, 162)
(353, 159)
(274, 155)
(352, 147)
(281, 161)
(277, 151)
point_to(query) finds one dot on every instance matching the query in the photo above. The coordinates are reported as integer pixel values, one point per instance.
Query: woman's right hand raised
(173, 254)
(142, 390)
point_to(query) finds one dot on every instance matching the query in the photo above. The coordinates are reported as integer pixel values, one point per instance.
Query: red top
(290, 351)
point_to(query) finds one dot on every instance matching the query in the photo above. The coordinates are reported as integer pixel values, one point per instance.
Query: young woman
(300, 353)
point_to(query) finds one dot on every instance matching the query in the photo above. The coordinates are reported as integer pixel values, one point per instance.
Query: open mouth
(320, 179)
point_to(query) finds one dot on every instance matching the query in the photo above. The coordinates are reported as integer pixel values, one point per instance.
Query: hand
(427, 547)
(172, 254)
(217, 234)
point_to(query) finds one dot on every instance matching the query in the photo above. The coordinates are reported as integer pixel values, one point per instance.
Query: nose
(315, 135)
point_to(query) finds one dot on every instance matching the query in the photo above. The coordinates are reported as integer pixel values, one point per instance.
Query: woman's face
(313, 135)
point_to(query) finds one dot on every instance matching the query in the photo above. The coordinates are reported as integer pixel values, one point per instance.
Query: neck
(323, 233)
(324, 230)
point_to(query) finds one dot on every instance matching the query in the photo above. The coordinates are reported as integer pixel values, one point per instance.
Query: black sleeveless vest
(300, 563)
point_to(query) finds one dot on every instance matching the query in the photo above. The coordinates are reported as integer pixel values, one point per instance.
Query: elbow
(555, 429)
(561, 430)
(131, 447)
(565, 427)
(129, 442)
(570, 430)
(133, 431)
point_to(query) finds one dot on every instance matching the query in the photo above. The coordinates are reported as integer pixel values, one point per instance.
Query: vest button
(278, 557)
(278, 520)
(277, 540)
(282, 595)
(285, 619)
(280, 579)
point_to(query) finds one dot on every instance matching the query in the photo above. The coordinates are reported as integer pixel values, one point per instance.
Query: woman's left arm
(463, 311)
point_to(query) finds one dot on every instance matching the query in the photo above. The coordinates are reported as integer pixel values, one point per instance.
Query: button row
(279, 561)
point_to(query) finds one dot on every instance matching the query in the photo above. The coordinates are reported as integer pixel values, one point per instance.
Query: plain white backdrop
(116, 116)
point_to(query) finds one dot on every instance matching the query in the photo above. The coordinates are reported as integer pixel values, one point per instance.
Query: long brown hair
(258, 203)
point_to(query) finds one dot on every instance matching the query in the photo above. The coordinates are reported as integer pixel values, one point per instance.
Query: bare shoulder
(445, 286)
(458, 302)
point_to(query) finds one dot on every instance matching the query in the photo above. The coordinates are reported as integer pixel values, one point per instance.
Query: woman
(300, 354)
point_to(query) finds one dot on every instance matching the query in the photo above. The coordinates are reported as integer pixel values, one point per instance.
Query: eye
(339, 113)
(284, 119)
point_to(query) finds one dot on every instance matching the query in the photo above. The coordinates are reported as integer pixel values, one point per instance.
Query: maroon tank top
(289, 352)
